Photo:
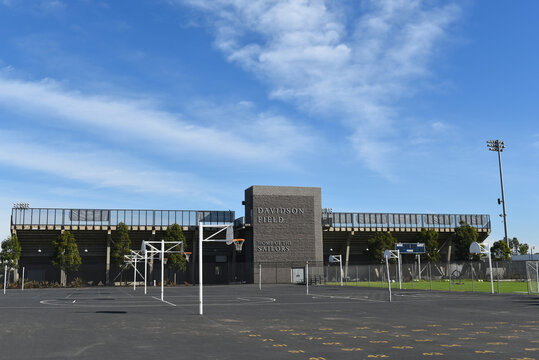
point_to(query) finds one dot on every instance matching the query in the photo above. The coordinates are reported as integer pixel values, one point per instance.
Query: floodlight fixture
(21, 205)
(495, 145)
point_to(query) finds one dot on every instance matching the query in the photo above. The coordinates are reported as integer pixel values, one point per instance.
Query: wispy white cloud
(98, 168)
(440, 126)
(142, 121)
(319, 57)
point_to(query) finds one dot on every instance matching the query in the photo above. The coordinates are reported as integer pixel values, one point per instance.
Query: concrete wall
(286, 226)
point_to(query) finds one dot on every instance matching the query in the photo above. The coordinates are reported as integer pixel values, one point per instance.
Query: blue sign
(410, 248)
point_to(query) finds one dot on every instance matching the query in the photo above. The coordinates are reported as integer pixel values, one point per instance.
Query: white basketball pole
(259, 276)
(490, 265)
(388, 279)
(419, 266)
(5, 278)
(399, 264)
(162, 268)
(135, 275)
(22, 284)
(229, 241)
(340, 266)
(307, 280)
(145, 271)
(200, 237)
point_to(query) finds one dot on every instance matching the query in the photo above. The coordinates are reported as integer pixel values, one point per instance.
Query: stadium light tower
(498, 145)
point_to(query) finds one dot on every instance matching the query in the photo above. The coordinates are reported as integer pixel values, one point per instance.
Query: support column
(15, 272)
(347, 256)
(107, 260)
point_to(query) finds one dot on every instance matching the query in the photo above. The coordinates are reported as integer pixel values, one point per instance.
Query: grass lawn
(445, 285)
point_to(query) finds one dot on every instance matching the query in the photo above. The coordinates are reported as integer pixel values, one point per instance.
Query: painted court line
(156, 298)
(314, 296)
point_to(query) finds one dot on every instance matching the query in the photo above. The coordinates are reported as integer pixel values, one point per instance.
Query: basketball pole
(22, 284)
(340, 266)
(388, 279)
(5, 275)
(162, 268)
(399, 264)
(419, 266)
(490, 265)
(145, 271)
(200, 237)
(135, 275)
(260, 276)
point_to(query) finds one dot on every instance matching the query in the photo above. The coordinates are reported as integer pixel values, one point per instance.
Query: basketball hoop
(238, 243)
(475, 249)
(187, 254)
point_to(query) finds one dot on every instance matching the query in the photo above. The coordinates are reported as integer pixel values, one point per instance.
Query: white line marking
(346, 297)
(74, 301)
(244, 299)
(156, 298)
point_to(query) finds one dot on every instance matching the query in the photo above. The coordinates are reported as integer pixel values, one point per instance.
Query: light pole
(498, 145)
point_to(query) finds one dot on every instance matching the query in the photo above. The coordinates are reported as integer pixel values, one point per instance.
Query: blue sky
(182, 104)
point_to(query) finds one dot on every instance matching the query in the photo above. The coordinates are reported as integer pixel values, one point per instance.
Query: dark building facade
(283, 227)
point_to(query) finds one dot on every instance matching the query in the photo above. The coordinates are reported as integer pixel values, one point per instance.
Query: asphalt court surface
(277, 322)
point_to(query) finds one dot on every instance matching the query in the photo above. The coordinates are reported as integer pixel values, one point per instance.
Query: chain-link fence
(507, 276)
(474, 276)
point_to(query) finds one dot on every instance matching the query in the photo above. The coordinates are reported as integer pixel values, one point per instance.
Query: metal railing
(392, 220)
(112, 217)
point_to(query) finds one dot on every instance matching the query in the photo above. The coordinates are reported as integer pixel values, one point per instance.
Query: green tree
(430, 239)
(11, 252)
(66, 255)
(378, 243)
(464, 236)
(514, 245)
(523, 249)
(500, 250)
(121, 244)
(176, 261)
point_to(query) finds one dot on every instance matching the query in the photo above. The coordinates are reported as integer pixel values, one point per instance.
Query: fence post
(369, 275)
(413, 270)
(307, 276)
(327, 274)
(472, 270)
(430, 275)
(449, 281)
(473, 273)
(357, 275)
(498, 277)
(5, 278)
